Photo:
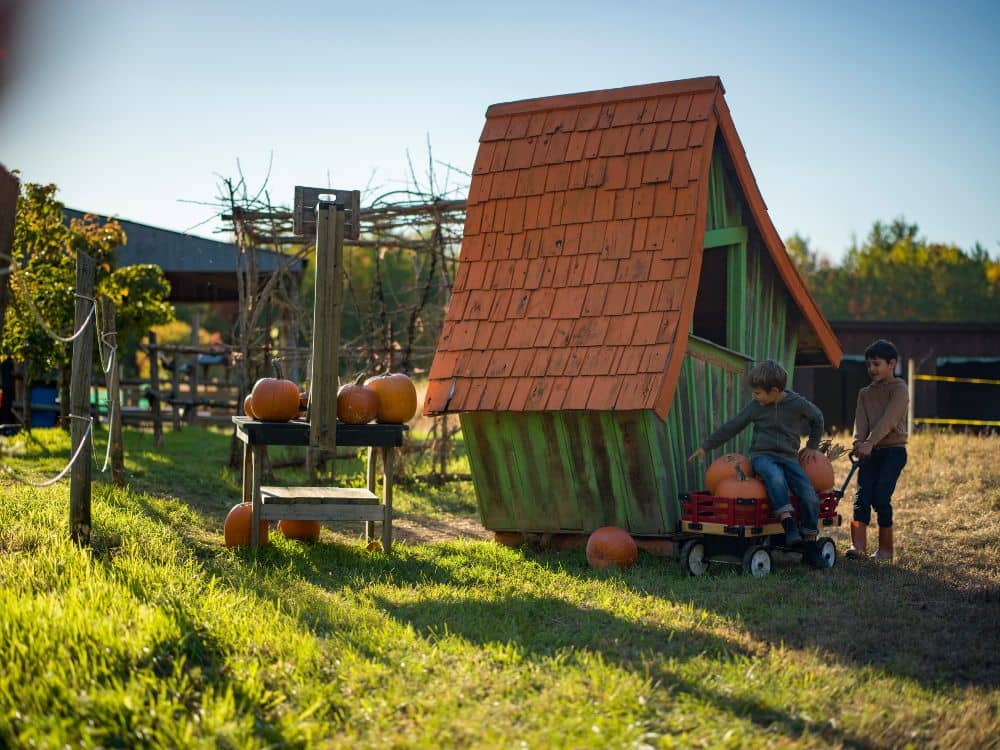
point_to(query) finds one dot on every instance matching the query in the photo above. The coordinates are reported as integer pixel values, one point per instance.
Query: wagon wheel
(693, 559)
(827, 550)
(757, 561)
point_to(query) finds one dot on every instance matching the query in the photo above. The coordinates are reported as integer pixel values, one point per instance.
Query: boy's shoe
(884, 551)
(859, 541)
(811, 554)
(792, 535)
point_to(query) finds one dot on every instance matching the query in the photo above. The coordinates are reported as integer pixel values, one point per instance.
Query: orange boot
(859, 540)
(884, 552)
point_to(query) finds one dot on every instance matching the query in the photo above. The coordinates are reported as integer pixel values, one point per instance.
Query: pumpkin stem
(276, 364)
(741, 475)
(359, 379)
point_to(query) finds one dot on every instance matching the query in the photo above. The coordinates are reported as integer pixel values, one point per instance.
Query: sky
(850, 112)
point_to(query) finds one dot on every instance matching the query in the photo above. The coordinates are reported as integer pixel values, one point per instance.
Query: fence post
(79, 391)
(154, 380)
(114, 395)
(910, 408)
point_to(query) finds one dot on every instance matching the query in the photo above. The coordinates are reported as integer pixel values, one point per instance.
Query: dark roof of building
(583, 242)
(199, 269)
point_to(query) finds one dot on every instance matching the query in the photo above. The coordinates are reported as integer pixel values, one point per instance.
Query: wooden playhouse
(618, 274)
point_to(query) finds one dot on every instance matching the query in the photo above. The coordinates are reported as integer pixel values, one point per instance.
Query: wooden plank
(478, 465)
(576, 450)
(724, 236)
(550, 460)
(323, 512)
(387, 468)
(256, 470)
(296, 432)
(314, 495)
(643, 509)
(494, 491)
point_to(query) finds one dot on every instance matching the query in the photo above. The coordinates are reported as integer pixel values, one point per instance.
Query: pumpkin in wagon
(741, 486)
(724, 467)
(818, 468)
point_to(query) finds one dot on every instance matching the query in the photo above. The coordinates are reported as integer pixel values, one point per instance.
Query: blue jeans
(781, 475)
(877, 477)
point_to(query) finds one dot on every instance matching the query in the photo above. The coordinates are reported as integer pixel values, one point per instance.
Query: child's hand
(700, 453)
(863, 449)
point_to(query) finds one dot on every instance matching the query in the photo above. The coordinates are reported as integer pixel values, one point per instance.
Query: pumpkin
(275, 399)
(397, 397)
(306, 531)
(741, 486)
(818, 468)
(356, 404)
(611, 546)
(248, 406)
(724, 467)
(236, 529)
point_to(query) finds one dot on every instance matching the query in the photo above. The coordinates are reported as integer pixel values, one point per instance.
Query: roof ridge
(603, 96)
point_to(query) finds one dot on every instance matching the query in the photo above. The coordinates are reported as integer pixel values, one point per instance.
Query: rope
(48, 329)
(72, 460)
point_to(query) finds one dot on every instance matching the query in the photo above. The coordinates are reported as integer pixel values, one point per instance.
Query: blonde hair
(767, 375)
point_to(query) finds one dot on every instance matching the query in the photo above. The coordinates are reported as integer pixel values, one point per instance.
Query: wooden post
(83, 360)
(175, 386)
(192, 414)
(154, 381)
(114, 394)
(387, 468)
(911, 383)
(370, 484)
(323, 379)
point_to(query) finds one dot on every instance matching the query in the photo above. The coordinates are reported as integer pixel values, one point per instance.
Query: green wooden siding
(575, 471)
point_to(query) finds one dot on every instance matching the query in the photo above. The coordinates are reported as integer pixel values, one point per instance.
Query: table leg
(370, 484)
(247, 472)
(258, 467)
(387, 499)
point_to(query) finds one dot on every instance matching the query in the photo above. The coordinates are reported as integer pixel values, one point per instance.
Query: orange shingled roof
(582, 248)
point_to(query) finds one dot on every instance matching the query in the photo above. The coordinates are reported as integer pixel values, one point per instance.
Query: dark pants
(877, 477)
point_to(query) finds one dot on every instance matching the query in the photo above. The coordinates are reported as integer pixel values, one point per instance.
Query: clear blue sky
(863, 111)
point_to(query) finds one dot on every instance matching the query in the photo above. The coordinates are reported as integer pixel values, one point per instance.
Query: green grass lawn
(159, 636)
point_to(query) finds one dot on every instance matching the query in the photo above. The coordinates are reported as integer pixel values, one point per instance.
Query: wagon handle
(855, 463)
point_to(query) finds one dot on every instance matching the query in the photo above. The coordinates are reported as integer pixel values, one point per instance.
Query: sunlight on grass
(160, 636)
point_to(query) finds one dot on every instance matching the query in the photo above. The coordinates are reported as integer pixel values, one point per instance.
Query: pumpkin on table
(275, 399)
(248, 406)
(356, 404)
(611, 546)
(236, 529)
(397, 397)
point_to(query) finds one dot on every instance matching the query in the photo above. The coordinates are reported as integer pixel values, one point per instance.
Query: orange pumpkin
(248, 406)
(611, 546)
(236, 529)
(397, 397)
(741, 486)
(818, 468)
(724, 467)
(275, 399)
(306, 531)
(356, 404)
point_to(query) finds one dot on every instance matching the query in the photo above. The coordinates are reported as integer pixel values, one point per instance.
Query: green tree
(896, 274)
(44, 279)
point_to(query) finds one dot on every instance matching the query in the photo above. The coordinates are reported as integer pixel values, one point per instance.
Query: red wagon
(744, 531)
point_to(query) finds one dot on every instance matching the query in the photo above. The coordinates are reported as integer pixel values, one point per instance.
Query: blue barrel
(44, 410)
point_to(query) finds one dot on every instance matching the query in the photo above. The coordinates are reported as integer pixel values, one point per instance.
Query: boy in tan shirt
(880, 444)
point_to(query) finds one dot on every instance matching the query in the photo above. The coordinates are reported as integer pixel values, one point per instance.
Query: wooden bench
(274, 503)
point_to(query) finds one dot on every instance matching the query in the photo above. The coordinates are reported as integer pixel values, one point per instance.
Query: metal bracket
(308, 199)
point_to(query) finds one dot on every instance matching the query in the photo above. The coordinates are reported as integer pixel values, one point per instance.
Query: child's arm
(860, 422)
(729, 430)
(815, 419)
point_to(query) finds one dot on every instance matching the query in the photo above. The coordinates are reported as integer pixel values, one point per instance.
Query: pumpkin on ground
(397, 397)
(306, 531)
(236, 529)
(248, 406)
(356, 404)
(724, 467)
(275, 400)
(818, 468)
(741, 486)
(611, 546)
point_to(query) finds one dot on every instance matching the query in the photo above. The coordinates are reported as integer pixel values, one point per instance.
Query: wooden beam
(725, 237)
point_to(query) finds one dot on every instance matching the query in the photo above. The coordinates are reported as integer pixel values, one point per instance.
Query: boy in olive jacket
(880, 443)
(778, 416)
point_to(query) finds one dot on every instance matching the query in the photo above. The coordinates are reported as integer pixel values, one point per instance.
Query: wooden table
(319, 503)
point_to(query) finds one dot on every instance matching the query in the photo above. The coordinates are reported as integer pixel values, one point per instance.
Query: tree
(896, 274)
(44, 277)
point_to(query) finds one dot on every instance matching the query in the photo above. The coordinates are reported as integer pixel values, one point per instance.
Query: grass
(158, 636)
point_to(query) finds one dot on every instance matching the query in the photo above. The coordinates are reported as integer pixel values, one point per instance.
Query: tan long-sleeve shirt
(881, 415)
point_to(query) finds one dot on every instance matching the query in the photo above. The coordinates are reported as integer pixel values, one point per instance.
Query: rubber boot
(811, 555)
(859, 541)
(884, 551)
(792, 535)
